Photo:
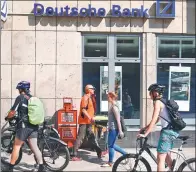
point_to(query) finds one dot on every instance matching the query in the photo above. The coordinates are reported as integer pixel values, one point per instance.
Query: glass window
(127, 85)
(188, 48)
(163, 78)
(91, 75)
(95, 46)
(127, 47)
(169, 48)
(176, 47)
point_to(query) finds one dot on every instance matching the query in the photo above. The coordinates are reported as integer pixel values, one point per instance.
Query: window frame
(127, 58)
(182, 60)
(83, 49)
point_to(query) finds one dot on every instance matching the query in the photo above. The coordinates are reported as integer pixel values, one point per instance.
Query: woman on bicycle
(25, 130)
(167, 135)
(114, 127)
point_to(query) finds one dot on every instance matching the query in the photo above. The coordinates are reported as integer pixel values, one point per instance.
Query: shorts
(24, 133)
(165, 143)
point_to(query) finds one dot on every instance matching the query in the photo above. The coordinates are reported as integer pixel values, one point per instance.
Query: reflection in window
(188, 48)
(127, 46)
(130, 90)
(181, 47)
(163, 78)
(169, 48)
(95, 46)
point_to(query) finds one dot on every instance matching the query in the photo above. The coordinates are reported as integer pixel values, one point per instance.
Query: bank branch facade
(122, 46)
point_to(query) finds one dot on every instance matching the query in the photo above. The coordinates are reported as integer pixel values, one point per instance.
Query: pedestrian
(114, 127)
(85, 121)
(25, 130)
(167, 135)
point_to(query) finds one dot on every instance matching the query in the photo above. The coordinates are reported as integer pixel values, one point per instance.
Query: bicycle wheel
(189, 166)
(127, 162)
(6, 152)
(55, 155)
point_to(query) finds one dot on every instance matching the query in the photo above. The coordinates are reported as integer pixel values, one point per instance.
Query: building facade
(123, 46)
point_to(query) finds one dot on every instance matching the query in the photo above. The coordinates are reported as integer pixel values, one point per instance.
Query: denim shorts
(165, 143)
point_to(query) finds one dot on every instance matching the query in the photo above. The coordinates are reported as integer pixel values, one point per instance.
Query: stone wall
(47, 51)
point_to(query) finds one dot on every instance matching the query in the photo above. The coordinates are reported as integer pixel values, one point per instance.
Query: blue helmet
(24, 85)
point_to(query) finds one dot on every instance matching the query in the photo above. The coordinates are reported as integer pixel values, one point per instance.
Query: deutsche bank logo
(4, 10)
(165, 9)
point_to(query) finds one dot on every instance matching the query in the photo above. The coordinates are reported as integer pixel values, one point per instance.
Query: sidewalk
(90, 161)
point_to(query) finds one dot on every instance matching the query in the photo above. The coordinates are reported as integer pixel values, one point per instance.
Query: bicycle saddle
(183, 137)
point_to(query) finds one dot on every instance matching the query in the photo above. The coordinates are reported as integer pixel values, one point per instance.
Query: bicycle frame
(178, 153)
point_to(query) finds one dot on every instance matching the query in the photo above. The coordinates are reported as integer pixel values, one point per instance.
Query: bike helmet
(23, 85)
(156, 87)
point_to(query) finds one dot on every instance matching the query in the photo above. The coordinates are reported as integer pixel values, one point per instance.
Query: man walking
(85, 120)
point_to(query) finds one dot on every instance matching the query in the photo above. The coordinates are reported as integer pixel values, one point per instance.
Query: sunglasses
(92, 88)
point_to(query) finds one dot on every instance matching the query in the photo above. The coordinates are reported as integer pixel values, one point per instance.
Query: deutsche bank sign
(90, 11)
(116, 11)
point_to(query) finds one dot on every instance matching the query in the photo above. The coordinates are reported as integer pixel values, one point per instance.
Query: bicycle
(144, 146)
(51, 146)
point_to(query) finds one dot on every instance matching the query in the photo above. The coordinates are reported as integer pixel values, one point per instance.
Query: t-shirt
(87, 103)
(112, 122)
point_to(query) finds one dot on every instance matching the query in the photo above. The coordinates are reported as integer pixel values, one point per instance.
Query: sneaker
(106, 165)
(76, 159)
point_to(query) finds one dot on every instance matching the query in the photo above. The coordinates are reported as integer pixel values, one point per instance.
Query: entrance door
(112, 63)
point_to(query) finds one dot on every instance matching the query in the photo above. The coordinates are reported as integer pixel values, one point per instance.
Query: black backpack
(177, 123)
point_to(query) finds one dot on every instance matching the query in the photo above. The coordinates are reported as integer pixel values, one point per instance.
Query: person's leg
(81, 135)
(111, 141)
(169, 160)
(172, 135)
(119, 149)
(165, 144)
(161, 161)
(115, 146)
(93, 140)
(34, 147)
(16, 148)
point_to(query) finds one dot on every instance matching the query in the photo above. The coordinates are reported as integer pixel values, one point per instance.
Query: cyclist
(167, 135)
(25, 130)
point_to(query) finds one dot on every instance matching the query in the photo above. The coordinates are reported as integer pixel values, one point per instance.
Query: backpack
(177, 123)
(35, 111)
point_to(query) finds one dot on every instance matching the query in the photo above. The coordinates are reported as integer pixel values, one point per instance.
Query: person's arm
(117, 116)
(155, 119)
(14, 108)
(145, 128)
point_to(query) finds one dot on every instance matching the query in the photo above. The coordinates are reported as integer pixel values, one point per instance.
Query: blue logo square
(165, 9)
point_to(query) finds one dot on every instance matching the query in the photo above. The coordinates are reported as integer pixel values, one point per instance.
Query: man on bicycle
(25, 130)
(167, 134)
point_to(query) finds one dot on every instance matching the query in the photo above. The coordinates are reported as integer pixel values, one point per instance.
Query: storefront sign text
(90, 11)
